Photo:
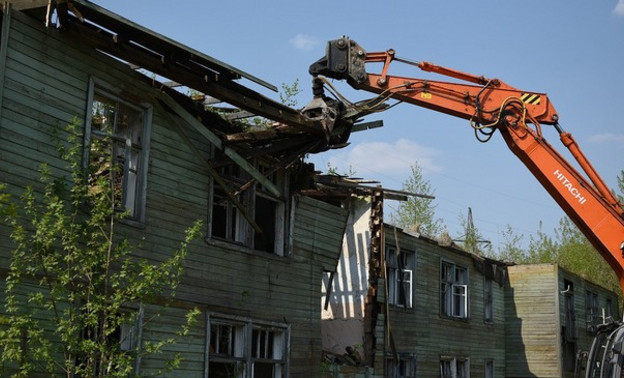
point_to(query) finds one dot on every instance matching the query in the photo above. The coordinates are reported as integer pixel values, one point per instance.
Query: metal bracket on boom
(344, 60)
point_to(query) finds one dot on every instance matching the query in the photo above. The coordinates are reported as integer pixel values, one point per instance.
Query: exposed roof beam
(206, 82)
(218, 143)
(143, 35)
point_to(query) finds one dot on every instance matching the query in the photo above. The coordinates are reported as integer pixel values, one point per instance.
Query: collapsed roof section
(285, 135)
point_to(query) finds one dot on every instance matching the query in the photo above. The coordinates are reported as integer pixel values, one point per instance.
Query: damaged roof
(286, 137)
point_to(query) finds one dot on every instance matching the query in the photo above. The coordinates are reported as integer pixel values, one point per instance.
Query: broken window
(259, 220)
(454, 367)
(123, 334)
(403, 367)
(246, 349)
(115, 140)
(227, 350)
(400, 271)
(267, 352)
(488, 300)
(453, 290)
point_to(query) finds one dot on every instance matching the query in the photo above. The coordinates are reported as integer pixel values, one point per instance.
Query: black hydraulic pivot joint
(344, 60)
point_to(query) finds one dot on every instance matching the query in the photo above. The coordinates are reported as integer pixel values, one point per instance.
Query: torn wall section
(343, 319)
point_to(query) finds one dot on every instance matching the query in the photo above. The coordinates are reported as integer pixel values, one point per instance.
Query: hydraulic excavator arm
(489, 105)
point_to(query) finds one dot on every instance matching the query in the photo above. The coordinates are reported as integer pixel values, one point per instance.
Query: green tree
(72, 277)
(510, 250)
(576, 254)
(620, 183)
(418, 211)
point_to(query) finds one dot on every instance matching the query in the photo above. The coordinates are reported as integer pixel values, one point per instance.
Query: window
(259, 222)
(125, 335)
(488, 300)
(454, 367)
(267, 352)
(247, 349)
(453, 290)
(404, 367)
(489, 369)
(116, 149)
(609, 308)
(400, 270)
(592, 316)
(227, 353)
(570, 314)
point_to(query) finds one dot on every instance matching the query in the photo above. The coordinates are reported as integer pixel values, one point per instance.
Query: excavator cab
(605, 358)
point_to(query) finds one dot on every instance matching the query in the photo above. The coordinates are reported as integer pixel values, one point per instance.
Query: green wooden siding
(532, 322)
(429, 335)
(45, 85)
(319, 230)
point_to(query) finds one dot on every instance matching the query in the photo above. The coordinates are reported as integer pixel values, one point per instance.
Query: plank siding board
(319, 228)
(532, 322)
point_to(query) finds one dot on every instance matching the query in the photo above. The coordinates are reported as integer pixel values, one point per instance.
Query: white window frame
(134, 192)
(252, 343)
(397, 277)
(233, 226)
(454, 290)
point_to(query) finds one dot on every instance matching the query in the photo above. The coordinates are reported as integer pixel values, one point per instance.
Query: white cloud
(619, 8)
(372, 159)
(607, 137)
(304, 42)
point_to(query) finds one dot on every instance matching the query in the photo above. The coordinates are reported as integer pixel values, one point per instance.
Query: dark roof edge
(131, 24)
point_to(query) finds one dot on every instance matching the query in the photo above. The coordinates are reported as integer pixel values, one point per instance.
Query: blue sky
(573, 50)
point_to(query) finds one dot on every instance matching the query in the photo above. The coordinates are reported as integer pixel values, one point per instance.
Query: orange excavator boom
(490, 105)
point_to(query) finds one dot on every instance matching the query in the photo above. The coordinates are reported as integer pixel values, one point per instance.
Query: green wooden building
(415, 307)
(551, 315)
(256, 274)
(431, 310)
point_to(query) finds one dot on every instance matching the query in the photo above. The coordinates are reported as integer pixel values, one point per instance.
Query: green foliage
(569, 248)
(287, 96)
(576, 254)
(620, 183)
(73, 281)
(418, 212)
(289, 93)
(333, 170)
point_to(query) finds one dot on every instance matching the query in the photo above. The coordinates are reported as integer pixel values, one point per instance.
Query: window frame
(108, 90)
(237, 231)
(592, 309)
(454, 367)
(609, 308)
(276, 341)
(454, 290)
(490, 369)
(396, 280)
(488, 300)
(406, 368)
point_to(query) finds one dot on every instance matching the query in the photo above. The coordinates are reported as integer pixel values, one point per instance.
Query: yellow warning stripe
(530, 98)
